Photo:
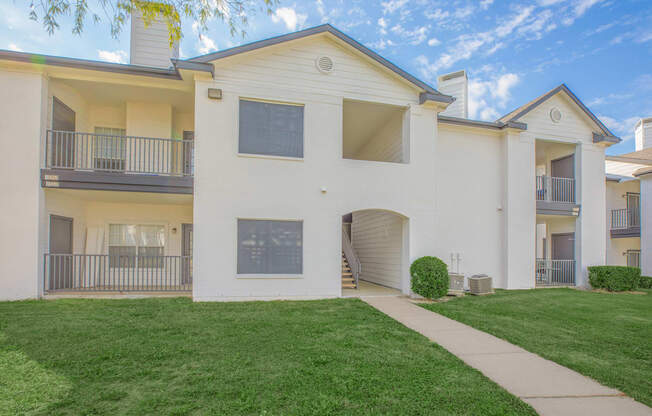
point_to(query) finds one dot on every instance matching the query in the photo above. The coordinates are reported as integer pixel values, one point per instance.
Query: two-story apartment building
(629, 203)
(297, 167)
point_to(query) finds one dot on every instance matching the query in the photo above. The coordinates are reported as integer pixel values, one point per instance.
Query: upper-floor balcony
(82, 160)
(626, 222)
(556, 184)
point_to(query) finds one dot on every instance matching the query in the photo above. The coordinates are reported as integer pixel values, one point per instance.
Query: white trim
(258, 156)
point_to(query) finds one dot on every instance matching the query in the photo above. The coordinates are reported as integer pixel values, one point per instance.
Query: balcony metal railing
(633, 258)
(116, 273)
(124, 154)
(622, 219)
(555, 272)
(555, 189)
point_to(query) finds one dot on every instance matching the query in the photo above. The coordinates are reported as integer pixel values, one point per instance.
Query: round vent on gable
(555, 115)
(324, 64)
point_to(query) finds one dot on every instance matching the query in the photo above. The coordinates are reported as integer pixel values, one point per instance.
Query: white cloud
(206, 44)
(14, 47)
(320, 8)
(391, 6)
(383, 26)
(463, 12)
(437, 14)
(608, 99)
(623, 128)
(644, 38)
(486, 97)
(484, 4)
(579, 8)
(289, 16)
(433, 42)
(118, 57)
(381, 44)
(415, 36)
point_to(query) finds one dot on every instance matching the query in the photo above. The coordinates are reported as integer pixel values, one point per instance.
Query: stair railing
(351, 257)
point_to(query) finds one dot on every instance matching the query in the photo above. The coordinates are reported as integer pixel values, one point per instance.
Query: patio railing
(633, 258)
(116, 273)
(555, 272)
(555, 189)
(622, 219)
(123, 154)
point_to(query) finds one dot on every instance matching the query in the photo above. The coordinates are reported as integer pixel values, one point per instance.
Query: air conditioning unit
(456, 286)
(480, 284)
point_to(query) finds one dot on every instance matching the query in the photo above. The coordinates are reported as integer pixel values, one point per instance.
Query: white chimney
(150, 46)
(457, 85)
(643, 133)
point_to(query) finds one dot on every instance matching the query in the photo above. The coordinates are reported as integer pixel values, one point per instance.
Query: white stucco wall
(24, 117)
(470, 185)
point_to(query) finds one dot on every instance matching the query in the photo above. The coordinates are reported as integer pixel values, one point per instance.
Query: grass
(605, 336)
(172, 356)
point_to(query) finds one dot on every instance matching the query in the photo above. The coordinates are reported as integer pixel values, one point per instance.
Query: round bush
(429, 277)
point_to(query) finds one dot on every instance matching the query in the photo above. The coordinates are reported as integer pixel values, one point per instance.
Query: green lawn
(172, 356)
(605, 336)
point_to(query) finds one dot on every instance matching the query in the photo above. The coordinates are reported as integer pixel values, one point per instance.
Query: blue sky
(512, 51)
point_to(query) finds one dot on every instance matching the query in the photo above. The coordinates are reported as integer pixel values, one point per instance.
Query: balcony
(116, 273)
(556, 196)
(626, 222)
(77, 160)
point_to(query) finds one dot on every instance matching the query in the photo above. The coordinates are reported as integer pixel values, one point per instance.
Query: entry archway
(376, 251)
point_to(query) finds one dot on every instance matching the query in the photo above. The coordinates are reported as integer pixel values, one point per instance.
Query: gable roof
(607, 135)
(643, 157)
(432, 93)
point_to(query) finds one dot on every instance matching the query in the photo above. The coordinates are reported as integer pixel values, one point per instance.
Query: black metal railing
(124, 154)
(119, 273)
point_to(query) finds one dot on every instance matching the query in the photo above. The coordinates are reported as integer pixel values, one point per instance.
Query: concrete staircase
(348, 282)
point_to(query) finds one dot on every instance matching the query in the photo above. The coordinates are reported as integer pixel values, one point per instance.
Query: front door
(186, 253)
(62, 143)
(61, 264)
(563, 191)
(563, 250)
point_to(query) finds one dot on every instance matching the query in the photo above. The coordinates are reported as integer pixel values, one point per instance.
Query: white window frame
(271, 275)
(262, 156)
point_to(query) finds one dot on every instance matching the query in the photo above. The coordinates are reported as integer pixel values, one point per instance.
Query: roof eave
(481, 124)
(38, 59)
(601, 138)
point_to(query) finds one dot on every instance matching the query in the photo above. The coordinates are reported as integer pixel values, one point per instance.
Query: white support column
(519, 211)
(21, 205)
(646, 224)
(590, 234)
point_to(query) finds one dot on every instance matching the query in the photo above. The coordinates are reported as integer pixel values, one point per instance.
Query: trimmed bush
(429, 277)
(614, 278)
(646, 282)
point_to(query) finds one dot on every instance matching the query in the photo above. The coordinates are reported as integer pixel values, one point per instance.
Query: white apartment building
(297, 167)
(629, 203)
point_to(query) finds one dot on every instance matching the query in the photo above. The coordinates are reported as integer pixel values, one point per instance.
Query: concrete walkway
(549, 388)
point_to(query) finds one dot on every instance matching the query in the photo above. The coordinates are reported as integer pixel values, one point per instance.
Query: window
(270, 247)
(271, 129)
(136, 245)
(109, 148)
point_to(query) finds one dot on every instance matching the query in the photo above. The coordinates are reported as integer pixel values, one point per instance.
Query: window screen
(271, 129)
(141, 245)
(270, 247)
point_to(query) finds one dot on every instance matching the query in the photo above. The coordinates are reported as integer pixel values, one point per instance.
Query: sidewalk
(549, 388)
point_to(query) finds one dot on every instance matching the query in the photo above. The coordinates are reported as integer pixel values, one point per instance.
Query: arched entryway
(374, 252)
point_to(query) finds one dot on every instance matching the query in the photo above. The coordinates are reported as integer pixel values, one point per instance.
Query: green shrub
(614, 278)
(645, 282)
(429, 277)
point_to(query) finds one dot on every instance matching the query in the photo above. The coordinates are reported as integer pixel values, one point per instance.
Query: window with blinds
(271, 129)
(109, 148)
(270, 247)
(136, 245)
